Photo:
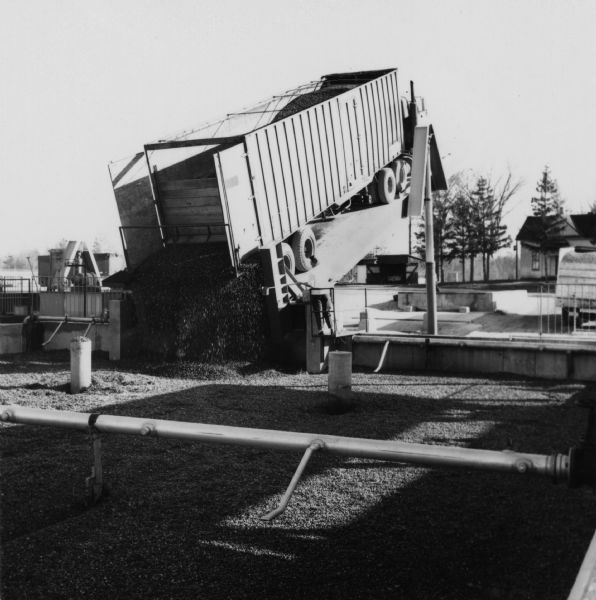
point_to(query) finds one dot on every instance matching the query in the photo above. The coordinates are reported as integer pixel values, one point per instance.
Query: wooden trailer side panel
(134, 199)
(319, 157)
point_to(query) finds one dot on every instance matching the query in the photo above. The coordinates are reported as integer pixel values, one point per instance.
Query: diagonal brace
(316, 445)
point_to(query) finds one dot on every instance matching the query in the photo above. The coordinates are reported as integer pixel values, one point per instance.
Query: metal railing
(83, 297)
(340, 308)
(567, 309)
(17, 296)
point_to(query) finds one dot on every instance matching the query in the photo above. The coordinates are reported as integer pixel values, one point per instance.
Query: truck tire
(386, 185)
(304, 245)
(402, 168)
(288, 257)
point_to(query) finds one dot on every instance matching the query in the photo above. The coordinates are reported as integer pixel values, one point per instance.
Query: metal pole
(555, 466)
(431, 278)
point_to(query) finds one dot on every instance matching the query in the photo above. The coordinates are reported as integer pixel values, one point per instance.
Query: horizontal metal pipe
(555, 466)
(458, 342)
(67, 319)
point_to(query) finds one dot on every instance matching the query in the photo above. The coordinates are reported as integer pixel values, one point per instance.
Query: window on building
(535, 261)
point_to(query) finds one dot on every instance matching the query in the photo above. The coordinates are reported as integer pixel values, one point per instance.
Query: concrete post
(115, 330)
(340, 374)
(80, 364)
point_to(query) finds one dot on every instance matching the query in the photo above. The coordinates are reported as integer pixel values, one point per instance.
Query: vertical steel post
(431, 278)
(95, 481)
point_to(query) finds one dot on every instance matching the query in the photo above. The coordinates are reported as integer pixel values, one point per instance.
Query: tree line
(468, 218)
(468, 222)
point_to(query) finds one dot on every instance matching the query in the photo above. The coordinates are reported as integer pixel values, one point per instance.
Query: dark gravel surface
(180, 519)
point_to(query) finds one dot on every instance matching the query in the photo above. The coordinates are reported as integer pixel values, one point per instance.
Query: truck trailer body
(261, 175)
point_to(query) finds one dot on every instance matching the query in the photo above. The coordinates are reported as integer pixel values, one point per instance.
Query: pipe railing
(558, 467)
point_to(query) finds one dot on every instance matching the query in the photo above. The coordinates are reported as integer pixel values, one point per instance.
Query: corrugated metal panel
(362, 138)
(295, 172)
(310, 164)
(323, 202)
(375, 125)
(390, 112)
(327, 174)
(339, 146)
(308, 161)
(382, 123)
(303, 169)
(348, 140)
(264, 215)
(394, 101)
(286, 176)
(269, 184)
(333, 159)
(369, 128)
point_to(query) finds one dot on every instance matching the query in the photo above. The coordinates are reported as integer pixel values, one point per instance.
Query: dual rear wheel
(393, 181)
(299, 254)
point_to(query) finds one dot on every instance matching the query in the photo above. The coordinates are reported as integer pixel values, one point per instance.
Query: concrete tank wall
(456, 355)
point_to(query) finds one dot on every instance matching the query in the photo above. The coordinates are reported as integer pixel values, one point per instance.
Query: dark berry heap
(191, 305)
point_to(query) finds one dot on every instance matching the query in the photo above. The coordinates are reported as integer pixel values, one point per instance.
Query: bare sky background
(508, 84)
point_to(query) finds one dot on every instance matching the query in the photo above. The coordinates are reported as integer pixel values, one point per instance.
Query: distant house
(540, 239)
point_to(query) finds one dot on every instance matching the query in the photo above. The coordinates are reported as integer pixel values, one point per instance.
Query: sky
(508, 85)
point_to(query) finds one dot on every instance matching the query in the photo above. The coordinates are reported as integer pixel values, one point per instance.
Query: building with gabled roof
(540, 239)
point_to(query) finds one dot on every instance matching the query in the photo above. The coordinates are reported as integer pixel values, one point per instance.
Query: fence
(567, 308)
(55, 297)
(340, 308)
(17, 296)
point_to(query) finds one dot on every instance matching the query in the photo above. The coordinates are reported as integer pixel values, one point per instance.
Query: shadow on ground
(181, 518)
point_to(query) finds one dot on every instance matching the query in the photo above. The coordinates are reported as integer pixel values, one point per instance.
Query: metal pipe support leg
(316, 445)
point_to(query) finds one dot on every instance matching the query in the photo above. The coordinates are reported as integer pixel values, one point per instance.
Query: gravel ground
(180, 519)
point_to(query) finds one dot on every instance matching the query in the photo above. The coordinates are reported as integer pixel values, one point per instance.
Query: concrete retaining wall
(465, 355)
(116, 338)
(478, 301)
(11, 338)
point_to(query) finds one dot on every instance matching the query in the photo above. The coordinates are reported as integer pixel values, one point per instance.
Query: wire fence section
(17, 296)
(567, 308)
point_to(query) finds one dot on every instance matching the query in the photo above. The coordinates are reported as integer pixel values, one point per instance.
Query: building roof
(585, 225)
(556, 231)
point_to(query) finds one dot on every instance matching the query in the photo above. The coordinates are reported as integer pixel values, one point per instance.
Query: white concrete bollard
(80, 364)
(340, 374)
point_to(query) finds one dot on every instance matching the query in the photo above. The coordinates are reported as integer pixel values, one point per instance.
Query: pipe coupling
(148, 429)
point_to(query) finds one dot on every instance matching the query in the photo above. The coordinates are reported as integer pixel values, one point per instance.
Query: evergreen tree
(548, 202)
(461, 243)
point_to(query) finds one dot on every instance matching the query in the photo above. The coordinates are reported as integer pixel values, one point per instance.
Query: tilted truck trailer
(257, 178)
